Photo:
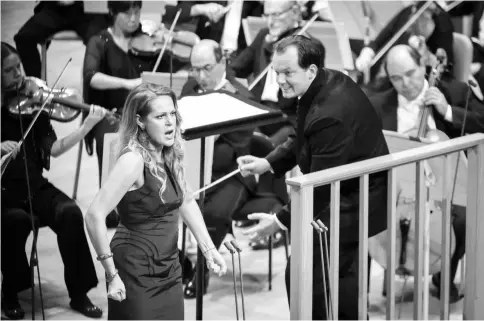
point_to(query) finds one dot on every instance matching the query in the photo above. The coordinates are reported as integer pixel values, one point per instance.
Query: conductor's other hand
(251, 165)
(266, 227)
(215, 262)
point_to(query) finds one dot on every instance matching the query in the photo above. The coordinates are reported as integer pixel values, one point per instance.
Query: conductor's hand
(116, 289)
(266, 227)
(215, 262)
(251, 165)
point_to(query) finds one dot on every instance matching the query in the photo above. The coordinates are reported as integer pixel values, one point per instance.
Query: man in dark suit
(399, 110)
(336, 125)
(283, 18)
(223, 200)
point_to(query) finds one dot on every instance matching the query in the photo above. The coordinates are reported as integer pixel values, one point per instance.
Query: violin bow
(300, 32)
(168, 40)
(8, 157)
(400, 32)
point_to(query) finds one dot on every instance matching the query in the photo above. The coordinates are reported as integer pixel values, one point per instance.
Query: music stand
(332, 35)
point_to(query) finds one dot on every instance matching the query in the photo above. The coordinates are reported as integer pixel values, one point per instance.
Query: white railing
(302, 188)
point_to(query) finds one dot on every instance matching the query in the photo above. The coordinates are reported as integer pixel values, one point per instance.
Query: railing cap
(386, 162)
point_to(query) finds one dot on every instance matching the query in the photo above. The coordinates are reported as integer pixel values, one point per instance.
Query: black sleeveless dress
(145, 253)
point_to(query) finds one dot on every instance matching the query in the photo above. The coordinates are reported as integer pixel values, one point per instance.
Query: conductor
(336, 125)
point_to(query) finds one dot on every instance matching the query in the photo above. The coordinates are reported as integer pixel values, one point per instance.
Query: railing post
(334, 248)
(363, 250)
(391, 241)
(419, 238)
(446, 225)
(474, 288)
(302, 253)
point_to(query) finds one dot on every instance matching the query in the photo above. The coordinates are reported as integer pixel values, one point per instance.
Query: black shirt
(37, 145)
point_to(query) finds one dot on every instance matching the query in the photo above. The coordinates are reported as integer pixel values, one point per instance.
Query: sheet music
(213, 108)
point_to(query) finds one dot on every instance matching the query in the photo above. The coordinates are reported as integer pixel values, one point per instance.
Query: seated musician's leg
(459, 227)
(98, 132)
(46, 21)
(64, 217)
(15, 228)
(220, 204)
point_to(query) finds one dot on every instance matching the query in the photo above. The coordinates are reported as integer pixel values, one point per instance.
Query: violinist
(434, 25)
(23, 185)
(110, 71)
(49, 18)
(399, 109)
(283, 19)
(225, 199)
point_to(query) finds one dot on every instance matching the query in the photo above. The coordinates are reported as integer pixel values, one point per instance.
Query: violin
(406, 204)
(63, 105)
(150, 39)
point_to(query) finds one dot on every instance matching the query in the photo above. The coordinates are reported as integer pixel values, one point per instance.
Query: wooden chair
(463, 54)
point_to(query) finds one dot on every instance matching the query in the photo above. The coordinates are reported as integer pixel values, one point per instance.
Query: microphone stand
(34, 262)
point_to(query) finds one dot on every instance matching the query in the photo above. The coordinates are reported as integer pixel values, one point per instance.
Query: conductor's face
(291, 77)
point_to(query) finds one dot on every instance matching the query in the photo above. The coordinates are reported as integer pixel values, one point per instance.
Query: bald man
(399, 109)
(225, 199)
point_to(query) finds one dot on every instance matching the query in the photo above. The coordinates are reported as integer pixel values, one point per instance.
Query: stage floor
(219, 302)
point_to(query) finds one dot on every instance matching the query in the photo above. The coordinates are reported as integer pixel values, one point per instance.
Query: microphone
(232, 251)
(238, 249)
(324, 230)
(320, 231)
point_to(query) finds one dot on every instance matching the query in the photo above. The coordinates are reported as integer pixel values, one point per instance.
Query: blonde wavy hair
(138, 103)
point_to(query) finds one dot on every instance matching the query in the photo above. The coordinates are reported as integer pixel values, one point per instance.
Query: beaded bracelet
(103, 257)
(111, 277)
(212, 248)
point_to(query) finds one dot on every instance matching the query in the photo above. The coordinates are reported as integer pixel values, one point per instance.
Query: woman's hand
(96, 113)
(215, 262)
(116, 289)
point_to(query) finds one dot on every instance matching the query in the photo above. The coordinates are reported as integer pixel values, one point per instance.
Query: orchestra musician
(476, 9)
(399, 109)
(336, 125)
(225, 199)
(23, 185)
(49, 18)
(283, 19)
(434, 25)
(147, 184)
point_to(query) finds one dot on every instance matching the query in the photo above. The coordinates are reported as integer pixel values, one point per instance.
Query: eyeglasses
(207, 69)
(276, 15)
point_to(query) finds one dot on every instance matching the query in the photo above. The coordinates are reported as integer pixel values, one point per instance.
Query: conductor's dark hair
(310, 51)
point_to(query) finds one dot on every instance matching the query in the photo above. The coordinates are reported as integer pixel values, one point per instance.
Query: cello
(406, 205)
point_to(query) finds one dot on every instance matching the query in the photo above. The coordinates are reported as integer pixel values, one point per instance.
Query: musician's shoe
(454, 294)
(83, 305)
(190, 291)
(11, 307)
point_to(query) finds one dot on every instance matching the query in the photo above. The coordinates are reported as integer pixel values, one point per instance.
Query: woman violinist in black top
(49, 205)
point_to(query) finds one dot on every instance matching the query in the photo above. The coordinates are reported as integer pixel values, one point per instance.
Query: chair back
(463, 54)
